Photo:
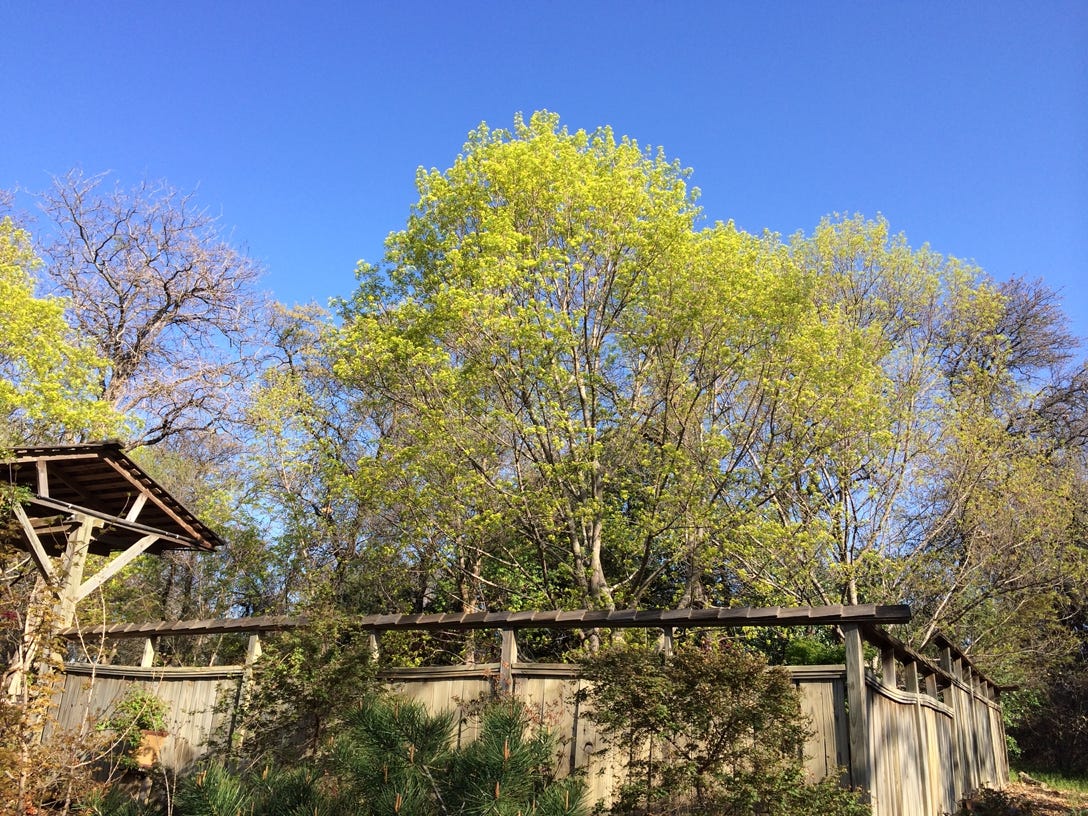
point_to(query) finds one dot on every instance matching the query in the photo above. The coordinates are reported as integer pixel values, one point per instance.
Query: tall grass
(1076, 786)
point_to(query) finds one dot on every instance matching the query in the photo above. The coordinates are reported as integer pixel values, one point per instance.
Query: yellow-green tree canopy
(561, 389)
(600, 383)
(48, 377)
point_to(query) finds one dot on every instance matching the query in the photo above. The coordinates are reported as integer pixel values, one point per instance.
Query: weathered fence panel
(550, 693)
(200, 702)
(910, 747)
(915, 735)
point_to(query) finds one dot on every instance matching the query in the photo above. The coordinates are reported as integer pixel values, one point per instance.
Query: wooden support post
(147, 659)
(887, 668)
(372, 649)
(137, 506)
(43, 477)
(857, 710)
(665, 642)
(118, 563)
(253, 649)
(236, 734)
(931, 686)
(507, 659)
(71, 571)
(37, 551)
(910, 677)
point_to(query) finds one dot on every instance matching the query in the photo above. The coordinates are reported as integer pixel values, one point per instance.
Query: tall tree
(172, 308)
(553, 339)
(558, 390)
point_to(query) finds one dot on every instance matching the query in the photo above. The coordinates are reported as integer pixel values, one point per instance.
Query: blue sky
(964, 123)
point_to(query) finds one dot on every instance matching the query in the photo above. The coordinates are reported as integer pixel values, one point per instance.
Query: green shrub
(137, 711)
(397, 758)
(711, 731)
(392, 757)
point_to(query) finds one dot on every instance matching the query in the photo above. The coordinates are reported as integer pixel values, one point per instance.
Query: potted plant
(139, 720)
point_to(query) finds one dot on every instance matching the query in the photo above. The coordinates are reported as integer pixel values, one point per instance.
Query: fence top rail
(728, 617)
(941, 641)
(904, 654)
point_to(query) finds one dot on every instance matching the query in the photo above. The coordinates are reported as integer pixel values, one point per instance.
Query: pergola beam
(37, 551)
(117, 564)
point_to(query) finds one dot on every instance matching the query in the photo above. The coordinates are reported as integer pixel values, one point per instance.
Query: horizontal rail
(727, 617)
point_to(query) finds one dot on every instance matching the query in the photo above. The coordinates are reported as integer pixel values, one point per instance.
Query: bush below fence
(925, 754)
(916, 735)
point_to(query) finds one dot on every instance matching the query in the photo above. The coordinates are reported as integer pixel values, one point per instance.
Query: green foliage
(813, 651)
(47, 375)
(306, 682)
(989, 802)
(392, 757)
(559, 390)
(137, 711)
(213, 791)
(509, 768)
(399, 759)
(1050, 718)
(117, 802)
(710, 730)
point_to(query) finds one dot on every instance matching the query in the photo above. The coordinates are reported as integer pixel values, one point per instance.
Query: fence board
(924, 754)
(198, 702)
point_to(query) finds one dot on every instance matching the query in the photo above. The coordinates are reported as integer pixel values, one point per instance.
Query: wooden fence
(918, 735)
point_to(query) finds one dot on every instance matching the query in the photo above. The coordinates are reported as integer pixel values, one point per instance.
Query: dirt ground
(1044, 801)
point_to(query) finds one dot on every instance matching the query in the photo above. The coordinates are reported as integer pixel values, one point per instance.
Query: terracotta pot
(151, 742)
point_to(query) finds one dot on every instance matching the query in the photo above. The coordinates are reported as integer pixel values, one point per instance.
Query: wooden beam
(162, 505)
(37, 551)
(118, 563)
(115, 521)
(729, 617)
(43, 478)
(137, 506)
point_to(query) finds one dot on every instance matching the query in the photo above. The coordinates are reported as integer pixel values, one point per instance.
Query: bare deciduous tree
(170, 304)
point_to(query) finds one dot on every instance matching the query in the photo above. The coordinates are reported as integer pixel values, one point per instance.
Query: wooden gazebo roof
(68, 482)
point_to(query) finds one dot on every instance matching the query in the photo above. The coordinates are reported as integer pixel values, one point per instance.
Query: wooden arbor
(77, 500)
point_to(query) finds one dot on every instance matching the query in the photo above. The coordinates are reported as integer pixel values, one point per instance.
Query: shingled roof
(98, 479)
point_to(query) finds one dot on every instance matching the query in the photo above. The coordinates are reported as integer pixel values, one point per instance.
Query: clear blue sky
(964, 123)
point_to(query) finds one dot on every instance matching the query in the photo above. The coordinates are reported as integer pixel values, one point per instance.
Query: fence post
(887, 668)
(910, 677)
(857, 710)
(952, 700)
(931, 686)
(925, 770)
(236, 733)
(372, 648)
(507, 659)
(147, 659)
